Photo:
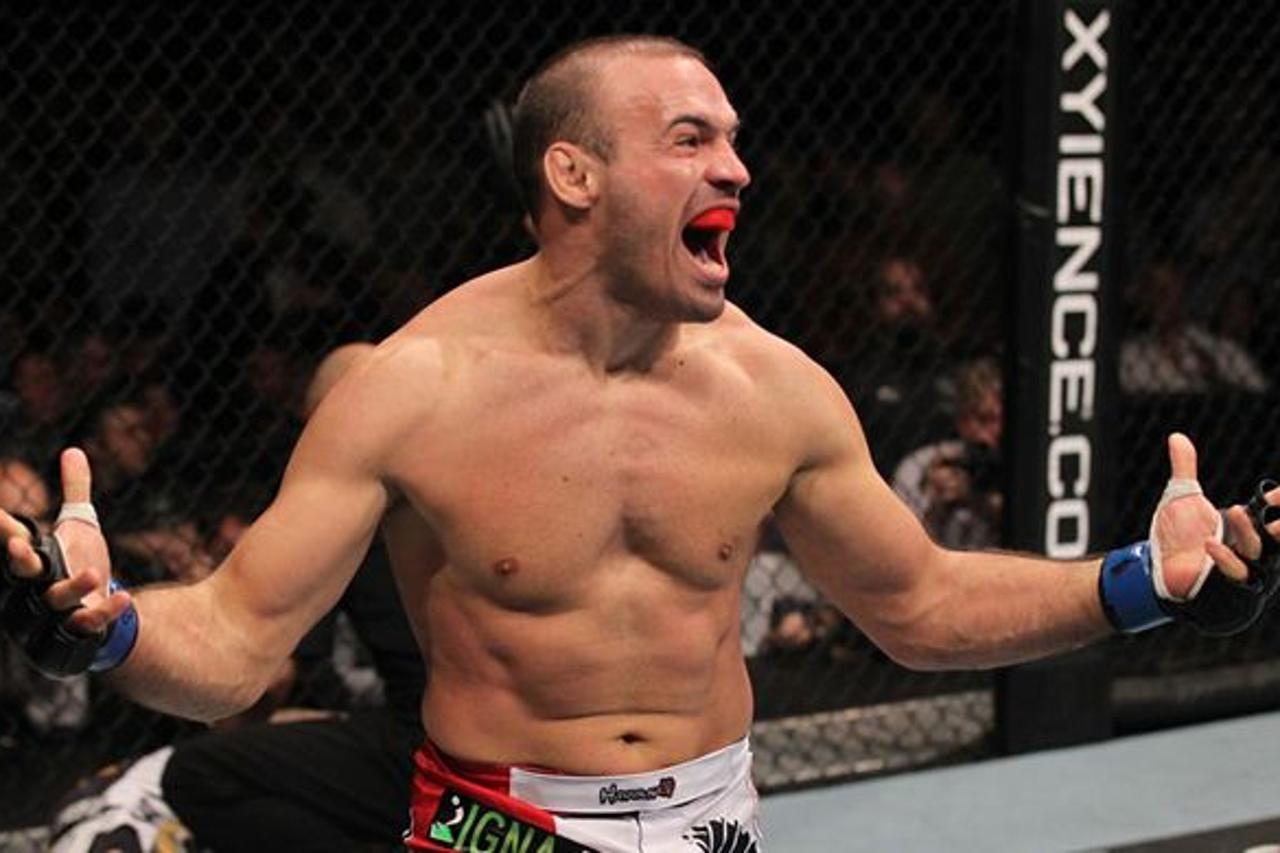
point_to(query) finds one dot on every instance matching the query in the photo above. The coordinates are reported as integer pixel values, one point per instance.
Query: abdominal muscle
(641, 675)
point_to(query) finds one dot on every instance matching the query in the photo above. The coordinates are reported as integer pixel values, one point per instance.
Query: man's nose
(728, 171)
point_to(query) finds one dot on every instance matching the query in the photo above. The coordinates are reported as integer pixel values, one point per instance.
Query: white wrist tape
(81, 511)
(1176, 488)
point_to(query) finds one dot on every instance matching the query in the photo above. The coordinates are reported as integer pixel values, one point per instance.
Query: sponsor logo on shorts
(461, 823)
(723, 836)
(612, 794)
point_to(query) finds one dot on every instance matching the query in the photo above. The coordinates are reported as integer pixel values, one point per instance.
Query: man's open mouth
(706, 236)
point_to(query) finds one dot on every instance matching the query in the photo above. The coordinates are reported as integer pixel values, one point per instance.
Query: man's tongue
(716, 219)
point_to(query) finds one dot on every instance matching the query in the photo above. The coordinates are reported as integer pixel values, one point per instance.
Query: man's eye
(687, 141)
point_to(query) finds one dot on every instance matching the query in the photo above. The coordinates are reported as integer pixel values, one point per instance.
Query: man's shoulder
(471, 312)
(433, 357)
(788, 388)
(385, 390)
(766, 357)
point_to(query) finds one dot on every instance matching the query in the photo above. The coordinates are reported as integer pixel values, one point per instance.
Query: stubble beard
(641, 273)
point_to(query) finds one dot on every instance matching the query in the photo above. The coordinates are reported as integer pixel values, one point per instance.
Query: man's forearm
(189, 660)
(990, 609)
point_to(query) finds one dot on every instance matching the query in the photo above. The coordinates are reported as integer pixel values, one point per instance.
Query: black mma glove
(42, 632)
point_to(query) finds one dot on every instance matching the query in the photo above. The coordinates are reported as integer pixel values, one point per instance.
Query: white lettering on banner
(1074, 316)
(1080, 187)
(1084, 306)
(1065, 447)
(1070, 391)
(1072, 275)
(1067, 528)
(1085, 40)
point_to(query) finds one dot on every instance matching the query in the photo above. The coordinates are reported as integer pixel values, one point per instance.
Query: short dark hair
(556, 104)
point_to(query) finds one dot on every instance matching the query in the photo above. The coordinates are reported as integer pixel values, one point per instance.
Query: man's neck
(577, 314)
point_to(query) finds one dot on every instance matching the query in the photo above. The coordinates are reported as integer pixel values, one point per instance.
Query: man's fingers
(96, 617)
(1240, 534)
(1227, 561)
(1182, 457)
(23, 560)
(68, 594)
(11, 528)
(76, 478)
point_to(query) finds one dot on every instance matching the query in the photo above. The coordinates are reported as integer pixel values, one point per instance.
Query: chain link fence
(1199, 350)
(199, 203)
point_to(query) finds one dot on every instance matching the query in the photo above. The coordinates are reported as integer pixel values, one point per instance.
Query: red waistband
(431, 760)
(444, 785)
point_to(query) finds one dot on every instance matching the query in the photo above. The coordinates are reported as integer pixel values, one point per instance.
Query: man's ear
(573, 175)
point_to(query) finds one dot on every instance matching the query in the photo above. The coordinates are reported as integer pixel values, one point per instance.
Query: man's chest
(557, 481)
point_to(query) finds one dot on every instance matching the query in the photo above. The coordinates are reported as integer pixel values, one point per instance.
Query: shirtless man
(570, 459)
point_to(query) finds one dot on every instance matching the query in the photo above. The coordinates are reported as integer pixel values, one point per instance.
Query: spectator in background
(1231, 231)
(162, 413)
(962, 504)
(22, 490)
(798, 626)
(954, 485)
(1174, 354)
(38, 413)
(1240, 313)
(782, 613)
(137, 498)
(891, 371)
(269, 395)
(244, 421)
(94, 360)
(115, 436)
(948, 194)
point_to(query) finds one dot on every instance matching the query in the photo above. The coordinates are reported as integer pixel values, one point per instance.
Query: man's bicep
(293, 563)
(852, 536)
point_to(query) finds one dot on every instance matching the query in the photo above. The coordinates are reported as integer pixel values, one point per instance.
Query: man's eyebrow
(702, 123)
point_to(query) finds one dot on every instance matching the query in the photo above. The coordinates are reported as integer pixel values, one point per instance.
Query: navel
(506, 567)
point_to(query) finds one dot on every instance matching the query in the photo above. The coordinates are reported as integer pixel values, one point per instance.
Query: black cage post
(1065, 292)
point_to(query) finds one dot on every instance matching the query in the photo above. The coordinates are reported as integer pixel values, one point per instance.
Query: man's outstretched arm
(929, 607)
(207, 650)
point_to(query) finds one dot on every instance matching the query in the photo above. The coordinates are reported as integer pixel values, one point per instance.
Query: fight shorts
(708, 805)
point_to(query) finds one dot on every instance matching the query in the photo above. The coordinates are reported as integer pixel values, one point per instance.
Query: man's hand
(1191, 568)
(1243, 539)
(85, 591)
(1185, 526)
(1186, 529)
